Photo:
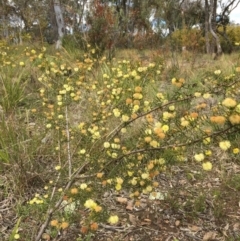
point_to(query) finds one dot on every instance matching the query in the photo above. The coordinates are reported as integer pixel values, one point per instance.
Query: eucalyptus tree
(214, 20)
(223, 20)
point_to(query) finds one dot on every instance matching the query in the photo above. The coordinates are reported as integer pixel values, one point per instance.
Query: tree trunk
(59, 21)
(207, 40)
(212, 26)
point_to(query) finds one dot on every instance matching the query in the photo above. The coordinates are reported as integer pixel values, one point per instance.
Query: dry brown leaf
(138, 204)
(225, 229)
(46, 236)
(209, 236)
(121, 200)
(132, 219)
(129, 205)
(194, 228)
(236, 227)
(147, 220)
(177, 223)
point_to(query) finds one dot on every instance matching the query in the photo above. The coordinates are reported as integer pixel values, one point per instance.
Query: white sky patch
(235, 15)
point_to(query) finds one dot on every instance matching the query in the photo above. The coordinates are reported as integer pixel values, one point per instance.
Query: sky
(235, 15)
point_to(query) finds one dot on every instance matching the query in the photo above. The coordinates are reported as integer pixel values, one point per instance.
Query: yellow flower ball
(207, 166)
(224, 145)
(83, 186)
(229, 102)
(138, 89)
(119, 180)
(16, 236)
(217, 72)
(165, 128)
(74, 190)
(137, 96)
(145, 175)
(57, 168)
(134, 181)
(90, 204)
(64, 225)
(113, 219)
(218, 119)
(125, 118)
(236, 150)
(106, 145)
(154, 144)
(118, 187)
(234, 119)
(54, 223)
(199, 157)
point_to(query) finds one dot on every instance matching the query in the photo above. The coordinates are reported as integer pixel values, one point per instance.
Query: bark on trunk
(207, 40)
(212, 26)
(59, 21)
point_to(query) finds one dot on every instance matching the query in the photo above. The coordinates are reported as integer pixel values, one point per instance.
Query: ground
(191, 206)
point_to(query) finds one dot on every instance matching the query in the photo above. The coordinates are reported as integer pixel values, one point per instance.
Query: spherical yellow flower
(148, 139)
(114, 155)
(199, 157)
(138, 89)
(237, 109)
(165, 128)
(64, 225)
(82, 151)
(234, 119)
(83, 186)
(57, 168)
(129, 101)
(98, 209)
(118, 187)
(106, 144)
(184, 122)
(154, 144)
(171, 107)
(218, 119)
(49, 126)
(207, 140)
(236, 150)
(116, 112)
(16, 236)
(207, 166)
(134, 181)
(224, 145)
(54, 223)
(145, 175)
(113, 219)
(229, 102)
(206, 96)
(149, 188)
(208, 152)
(217, 72)
(135, 108)
(119, 180)
(197, 94)
(125, 118)
(167, 115)
(90, 204)
(137, 96)
(74, 190)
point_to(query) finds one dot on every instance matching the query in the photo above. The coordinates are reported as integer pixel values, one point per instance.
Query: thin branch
(69, 159)
(51, 211)
(166, 147)
(118, 128)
